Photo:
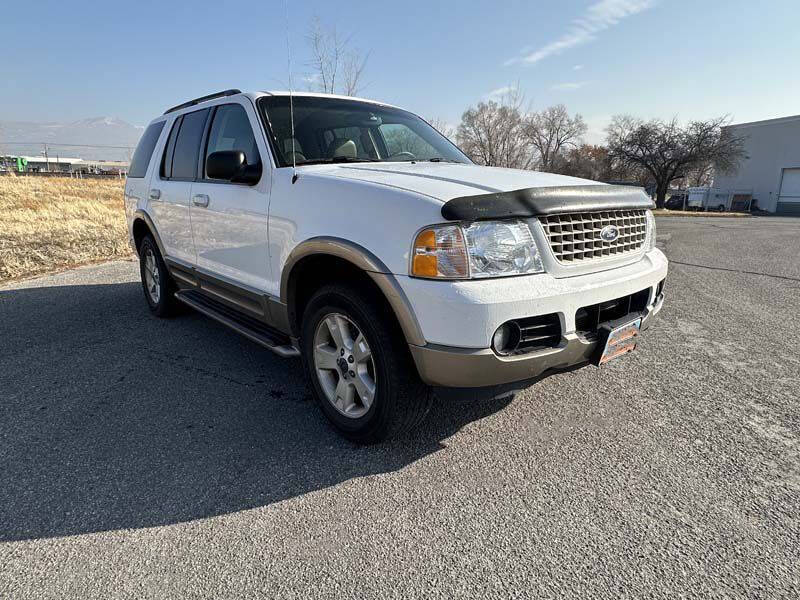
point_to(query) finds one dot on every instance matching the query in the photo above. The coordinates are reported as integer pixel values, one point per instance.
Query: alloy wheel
(344, 365)
(152, 280)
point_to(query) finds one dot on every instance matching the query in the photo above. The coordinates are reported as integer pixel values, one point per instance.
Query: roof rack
(203, 99)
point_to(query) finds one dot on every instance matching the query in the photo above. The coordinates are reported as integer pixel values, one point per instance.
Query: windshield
(328, 130)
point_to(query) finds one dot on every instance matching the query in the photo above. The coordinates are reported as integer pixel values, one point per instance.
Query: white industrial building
(771, 173)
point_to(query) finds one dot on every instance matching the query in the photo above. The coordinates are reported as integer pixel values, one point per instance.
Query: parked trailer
(714, 199)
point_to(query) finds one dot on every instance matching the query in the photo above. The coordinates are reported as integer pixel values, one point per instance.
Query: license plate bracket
(618, 338)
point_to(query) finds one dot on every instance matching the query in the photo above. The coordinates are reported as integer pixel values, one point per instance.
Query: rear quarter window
(144, 150)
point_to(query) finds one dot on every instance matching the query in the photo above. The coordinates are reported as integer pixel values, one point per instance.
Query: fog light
(506, 338)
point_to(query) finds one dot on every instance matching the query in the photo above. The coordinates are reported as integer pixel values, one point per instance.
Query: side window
(144, 150)
(187, 145)
(169, 149)
(231, 130)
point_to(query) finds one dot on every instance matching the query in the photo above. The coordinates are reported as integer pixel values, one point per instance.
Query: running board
(251, 328)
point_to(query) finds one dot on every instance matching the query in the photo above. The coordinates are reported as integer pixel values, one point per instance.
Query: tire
(721, 208)
(399, 401)
(159, 289)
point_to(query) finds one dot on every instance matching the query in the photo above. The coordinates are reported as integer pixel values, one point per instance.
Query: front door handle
(155, 194)
(200, 200)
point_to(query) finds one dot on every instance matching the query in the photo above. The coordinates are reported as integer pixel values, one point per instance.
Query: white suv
(353, 234)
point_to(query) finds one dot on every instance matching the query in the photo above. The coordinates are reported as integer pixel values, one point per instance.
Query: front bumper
(449, 367)
(459, 317)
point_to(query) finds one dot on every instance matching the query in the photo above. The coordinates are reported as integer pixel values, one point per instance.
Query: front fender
(366, 261)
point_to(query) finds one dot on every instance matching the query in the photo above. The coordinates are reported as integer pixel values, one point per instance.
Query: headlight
(480, 249)
(499, 248)
(651, 230)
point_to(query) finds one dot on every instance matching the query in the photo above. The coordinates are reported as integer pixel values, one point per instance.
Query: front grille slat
(575, 237)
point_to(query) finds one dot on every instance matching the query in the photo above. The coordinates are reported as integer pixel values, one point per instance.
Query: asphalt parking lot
(162, 458)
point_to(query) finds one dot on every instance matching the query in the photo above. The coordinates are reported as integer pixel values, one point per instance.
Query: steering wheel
(402, 156)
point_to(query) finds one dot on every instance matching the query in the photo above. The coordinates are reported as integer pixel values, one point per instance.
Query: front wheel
(360, 370)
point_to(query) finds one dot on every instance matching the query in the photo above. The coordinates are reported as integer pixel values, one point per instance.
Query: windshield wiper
(440, 159)
(335, 159)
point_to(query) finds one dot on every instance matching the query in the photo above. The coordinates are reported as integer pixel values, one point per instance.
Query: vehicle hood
(445, 181)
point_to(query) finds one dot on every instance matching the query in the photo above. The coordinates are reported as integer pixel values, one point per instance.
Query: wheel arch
(317, 258)
(141, 225)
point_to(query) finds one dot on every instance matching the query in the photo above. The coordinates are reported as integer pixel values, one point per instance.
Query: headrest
(342, 147)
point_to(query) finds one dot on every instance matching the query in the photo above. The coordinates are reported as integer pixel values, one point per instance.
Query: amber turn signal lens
(425, 262)
(440, 252)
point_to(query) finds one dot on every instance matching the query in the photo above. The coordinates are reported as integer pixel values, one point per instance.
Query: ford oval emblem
(609, 233)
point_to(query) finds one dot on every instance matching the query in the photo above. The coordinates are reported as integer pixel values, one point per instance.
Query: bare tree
(668, 151)
(700, 176)
(586, 161)
(443, 127)
(337, 68)
(552, 131)
(353, 69)
(491, 133)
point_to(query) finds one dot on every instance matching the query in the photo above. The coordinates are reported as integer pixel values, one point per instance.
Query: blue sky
(690, 58)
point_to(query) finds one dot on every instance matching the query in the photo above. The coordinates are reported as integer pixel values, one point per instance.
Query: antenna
(291, 102)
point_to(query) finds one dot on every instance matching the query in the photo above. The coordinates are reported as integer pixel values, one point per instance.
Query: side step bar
(249, 327)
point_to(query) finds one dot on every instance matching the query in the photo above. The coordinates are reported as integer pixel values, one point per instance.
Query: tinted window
(166, 160)
(230, 130)
(187, 145)
(144, 150)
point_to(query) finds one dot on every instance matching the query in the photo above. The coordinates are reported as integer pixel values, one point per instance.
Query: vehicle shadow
(111, 418)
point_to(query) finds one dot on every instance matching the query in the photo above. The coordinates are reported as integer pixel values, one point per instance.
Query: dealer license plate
(621, 340)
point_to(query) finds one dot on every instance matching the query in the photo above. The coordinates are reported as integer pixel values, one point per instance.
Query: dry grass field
(50, 223)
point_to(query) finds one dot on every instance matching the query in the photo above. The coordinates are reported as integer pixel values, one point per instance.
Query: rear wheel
(360, 370)
(159, 289)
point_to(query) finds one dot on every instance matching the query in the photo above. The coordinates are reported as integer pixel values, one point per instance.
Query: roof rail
(203, 99)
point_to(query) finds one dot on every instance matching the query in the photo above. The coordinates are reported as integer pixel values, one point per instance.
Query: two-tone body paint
(250, 234)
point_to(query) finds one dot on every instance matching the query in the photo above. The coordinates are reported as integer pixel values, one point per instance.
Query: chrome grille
(576, 237)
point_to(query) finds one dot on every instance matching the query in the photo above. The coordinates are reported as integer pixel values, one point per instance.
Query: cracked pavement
(146, 458)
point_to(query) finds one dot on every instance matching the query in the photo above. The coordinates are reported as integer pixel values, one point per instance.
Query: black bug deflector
(535, 202)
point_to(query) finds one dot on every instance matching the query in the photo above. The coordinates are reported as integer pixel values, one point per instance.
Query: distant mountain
(91, 135)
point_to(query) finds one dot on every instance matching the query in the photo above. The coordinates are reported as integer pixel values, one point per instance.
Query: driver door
(229, 220)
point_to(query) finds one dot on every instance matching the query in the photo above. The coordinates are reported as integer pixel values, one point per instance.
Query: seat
(293, 152)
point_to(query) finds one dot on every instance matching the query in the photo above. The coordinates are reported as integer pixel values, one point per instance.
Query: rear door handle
(200, 200)
(155, 194)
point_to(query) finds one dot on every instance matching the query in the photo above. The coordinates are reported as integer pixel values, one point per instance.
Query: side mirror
(231, 165)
